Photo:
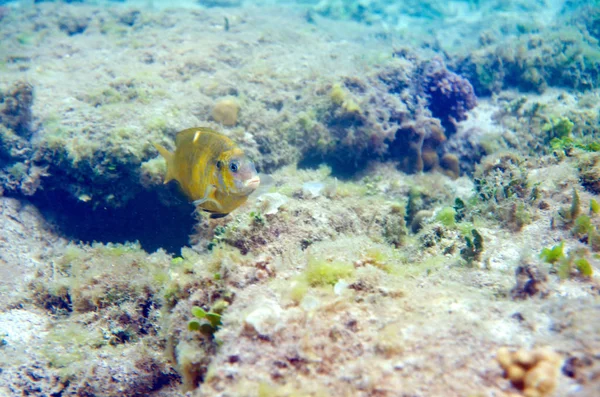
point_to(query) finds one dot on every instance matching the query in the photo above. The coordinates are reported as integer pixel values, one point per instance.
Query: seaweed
(474, 247)
(554, 254)
(322, 272)
(567, 265)
(558, 128)
(594, 207)
(459, 209)
(207, 322)
(447, 217)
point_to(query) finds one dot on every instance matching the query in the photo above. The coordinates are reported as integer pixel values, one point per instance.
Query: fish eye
(233, 166)
(219, 164)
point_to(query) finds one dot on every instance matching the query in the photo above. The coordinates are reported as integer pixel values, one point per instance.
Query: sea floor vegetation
(430, 225)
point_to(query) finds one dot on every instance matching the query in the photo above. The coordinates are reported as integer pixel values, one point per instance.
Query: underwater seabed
(431, 228)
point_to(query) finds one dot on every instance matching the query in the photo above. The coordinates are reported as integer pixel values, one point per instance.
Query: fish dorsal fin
(202, 136)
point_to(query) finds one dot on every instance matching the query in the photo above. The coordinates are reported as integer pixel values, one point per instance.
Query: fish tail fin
(168, 156)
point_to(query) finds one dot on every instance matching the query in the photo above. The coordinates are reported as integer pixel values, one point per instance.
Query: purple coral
(449, 95)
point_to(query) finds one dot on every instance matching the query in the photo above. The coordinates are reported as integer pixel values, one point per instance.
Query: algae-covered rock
(95, 146)
(388, 116)
(384, 270)
(226, 112)
(561, 56)
(15, 108)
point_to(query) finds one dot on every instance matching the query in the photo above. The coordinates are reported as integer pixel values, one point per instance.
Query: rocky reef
(90, 155)
(431, 223)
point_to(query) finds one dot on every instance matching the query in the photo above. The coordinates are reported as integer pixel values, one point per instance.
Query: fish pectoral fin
(210, 189)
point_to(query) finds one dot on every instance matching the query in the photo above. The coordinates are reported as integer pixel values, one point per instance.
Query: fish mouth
(253, 183)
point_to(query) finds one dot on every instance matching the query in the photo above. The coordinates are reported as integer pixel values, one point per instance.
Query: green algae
(584, 267)
(594, 206)
(575, 264)
(447, 217)
(207, 322)
(565, 265)
(558, 128)
(322, 272)
(68, 345)
(567, 143)
(554, 254)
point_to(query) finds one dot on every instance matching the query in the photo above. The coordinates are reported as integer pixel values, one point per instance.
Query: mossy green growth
(307, 120)
(340, 97)
(465, 228)
(567, 143)
(156, 124)
(594, 239)
(394, 225)
(381, 257)
(337, 94)
(570, 214)
(298, 289)
(584, 267)
(554, 254)
(322, 272)
(447, 217)
(96, 277)
(104, 96)
(575, 264)
(594, 206)
(69, 345)
(583, 225)
(559, 127)
(575, 205)
(520, 216)
(117, 250)
(177, 261)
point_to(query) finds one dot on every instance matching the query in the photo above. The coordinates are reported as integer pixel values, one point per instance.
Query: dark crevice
(341, 168)
(144, 218)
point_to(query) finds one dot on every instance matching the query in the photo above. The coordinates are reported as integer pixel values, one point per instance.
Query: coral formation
(384, 115)
(368, 275)
(449, 95)
(534, 372)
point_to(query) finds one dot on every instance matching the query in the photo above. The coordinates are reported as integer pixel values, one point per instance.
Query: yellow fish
(211, 169)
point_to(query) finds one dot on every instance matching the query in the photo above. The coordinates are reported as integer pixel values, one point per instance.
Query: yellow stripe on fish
(211, 170)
